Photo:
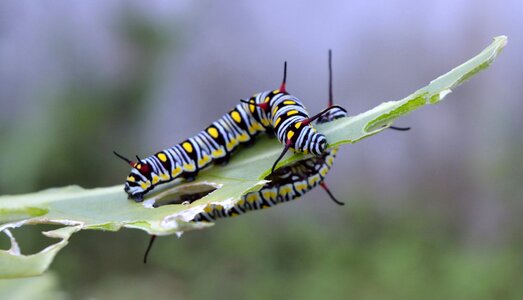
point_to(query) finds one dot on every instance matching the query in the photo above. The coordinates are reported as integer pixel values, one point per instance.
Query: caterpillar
(286, 183)
(289, 182)
(273, 111)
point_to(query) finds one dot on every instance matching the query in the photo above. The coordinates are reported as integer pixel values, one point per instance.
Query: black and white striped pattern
(275, 111)
(286, 184)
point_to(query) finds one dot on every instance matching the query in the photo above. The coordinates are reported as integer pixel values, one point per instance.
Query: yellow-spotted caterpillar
(286, 183)
(271, 111)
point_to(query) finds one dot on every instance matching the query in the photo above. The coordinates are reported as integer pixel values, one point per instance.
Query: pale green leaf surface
(109, 209)
(44, 287)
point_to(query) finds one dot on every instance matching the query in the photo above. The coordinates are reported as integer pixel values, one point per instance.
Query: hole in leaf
(185, 194)
(30, 238)
(5, 243)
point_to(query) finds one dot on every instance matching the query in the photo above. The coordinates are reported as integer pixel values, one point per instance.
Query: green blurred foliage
(83, 118)
(41, 287)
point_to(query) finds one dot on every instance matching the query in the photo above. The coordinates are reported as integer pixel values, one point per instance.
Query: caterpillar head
(138, 182)
(302, 137)
(305, 138)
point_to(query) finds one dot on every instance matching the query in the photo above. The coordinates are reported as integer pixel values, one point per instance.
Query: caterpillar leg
(250, 143)
(270, 133)
(137, 197)
(222, 161)
(190, 177)
(324, 186)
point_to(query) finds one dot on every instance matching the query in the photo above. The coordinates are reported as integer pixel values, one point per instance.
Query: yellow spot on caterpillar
(138, 166)
(241, 202)
(323, 171)
(252, 107)
(289, 102)
(269, 195)
(265, 123)
(276, 91)
(189, 167)
(277, 122)
(143, 185)
(297, 125)
(284, 190)
(290, 134)
(162, 157)
(234, 214)
(212, 132)
(207, 209)
(231, 144)
(176, 171)
(314, 179)
(292, 112)
(131, 179)
(236, 116)
(164, 177)
(300, 186)
(274, 110)
(204, 160)
(187, 146)
(155, 179)
(251, 198)
(244, 137)
(267, 99)
(218, 153)
(305, 151)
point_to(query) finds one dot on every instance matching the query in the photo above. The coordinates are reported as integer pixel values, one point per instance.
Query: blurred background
(431, 213)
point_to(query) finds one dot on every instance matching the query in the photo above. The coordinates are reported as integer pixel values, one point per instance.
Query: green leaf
(15, 265)
(109, 209)
(42, 287)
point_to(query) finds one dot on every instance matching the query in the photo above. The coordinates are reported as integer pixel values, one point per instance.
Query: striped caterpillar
(271, 111)
(286, 183)
(289, 182)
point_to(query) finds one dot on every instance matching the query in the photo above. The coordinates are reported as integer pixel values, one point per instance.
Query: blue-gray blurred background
(431, 213)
